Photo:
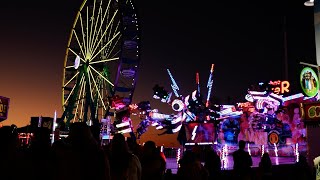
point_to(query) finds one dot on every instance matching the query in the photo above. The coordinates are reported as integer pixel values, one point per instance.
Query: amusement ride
(101, 62)
(100, 74)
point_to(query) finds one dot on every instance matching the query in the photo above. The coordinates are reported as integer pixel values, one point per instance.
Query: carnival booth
(310, 114)
(271, 120)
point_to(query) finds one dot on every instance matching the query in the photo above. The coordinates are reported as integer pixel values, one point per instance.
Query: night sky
(245, 41)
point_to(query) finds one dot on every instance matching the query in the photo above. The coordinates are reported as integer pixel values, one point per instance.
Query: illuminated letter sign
(311, 111)
(309, 82)
(280, 87)
(4, 106)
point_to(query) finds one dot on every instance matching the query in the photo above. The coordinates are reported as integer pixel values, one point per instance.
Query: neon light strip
(174, 85)
(227, 106)
(159, 116)
(193, 95)
(177, 129)
(276, 96)
(186, 100)
(178, 156)
(297, 152)
(200, 143)
(154, 123)
(125, 131)
(275, 149)
(54, 126)
(209, 85)
(178, 119)
(198, 81)
(292, 97)
(226, 111)
(123, 124)
(257, 93)
(191, 115)
(194, 132)
(267, 98)
(159, 127)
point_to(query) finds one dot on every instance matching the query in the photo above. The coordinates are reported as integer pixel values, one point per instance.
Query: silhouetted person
(191, 168)
(196, 149)
(40, 150)
(9, 154)
(212, 163)
(302, 170)
(79, 156)
(168, 175)
(134, 147)
(123, 163)
(242, 162)
(153, 164)
(265, 167)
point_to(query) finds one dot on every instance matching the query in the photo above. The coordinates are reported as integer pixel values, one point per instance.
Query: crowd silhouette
(81, 156)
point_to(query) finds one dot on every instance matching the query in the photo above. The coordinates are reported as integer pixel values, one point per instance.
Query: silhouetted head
(188, 157)
(8, 137)
(265, 156)
(303, 159)
(242, 144)
(149, 147)
(41, 138)
(169, 171)
(118, 143)
(80, 133)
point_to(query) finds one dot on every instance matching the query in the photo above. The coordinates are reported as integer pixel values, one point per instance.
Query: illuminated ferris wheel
(101, 61)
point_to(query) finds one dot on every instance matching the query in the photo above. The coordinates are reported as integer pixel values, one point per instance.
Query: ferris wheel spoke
(69, 67)
(116, 42)
(87, 33)
(101, 24)
(78, 41)
(106, 45)
(82, 101)
(74, 87)
(71, 79)
(76, 55)
(93, 22)
(102, 76)
(83, 35)
(97, 89)
(116, 54)
(113, 45)
(79, 98)
(105, 60)
(95, 32)
(96, 45)
(67, 99)
(89, 82)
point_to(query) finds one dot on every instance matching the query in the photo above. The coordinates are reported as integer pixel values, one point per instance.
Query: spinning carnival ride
(188, 109)
(101, 62)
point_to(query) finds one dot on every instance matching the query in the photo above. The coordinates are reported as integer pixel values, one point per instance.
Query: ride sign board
(4, 106)
(310, 111)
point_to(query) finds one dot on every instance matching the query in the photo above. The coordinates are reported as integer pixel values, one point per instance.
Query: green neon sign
(309, 82)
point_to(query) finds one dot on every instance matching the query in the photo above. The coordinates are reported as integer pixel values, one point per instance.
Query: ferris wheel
(101, 61)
